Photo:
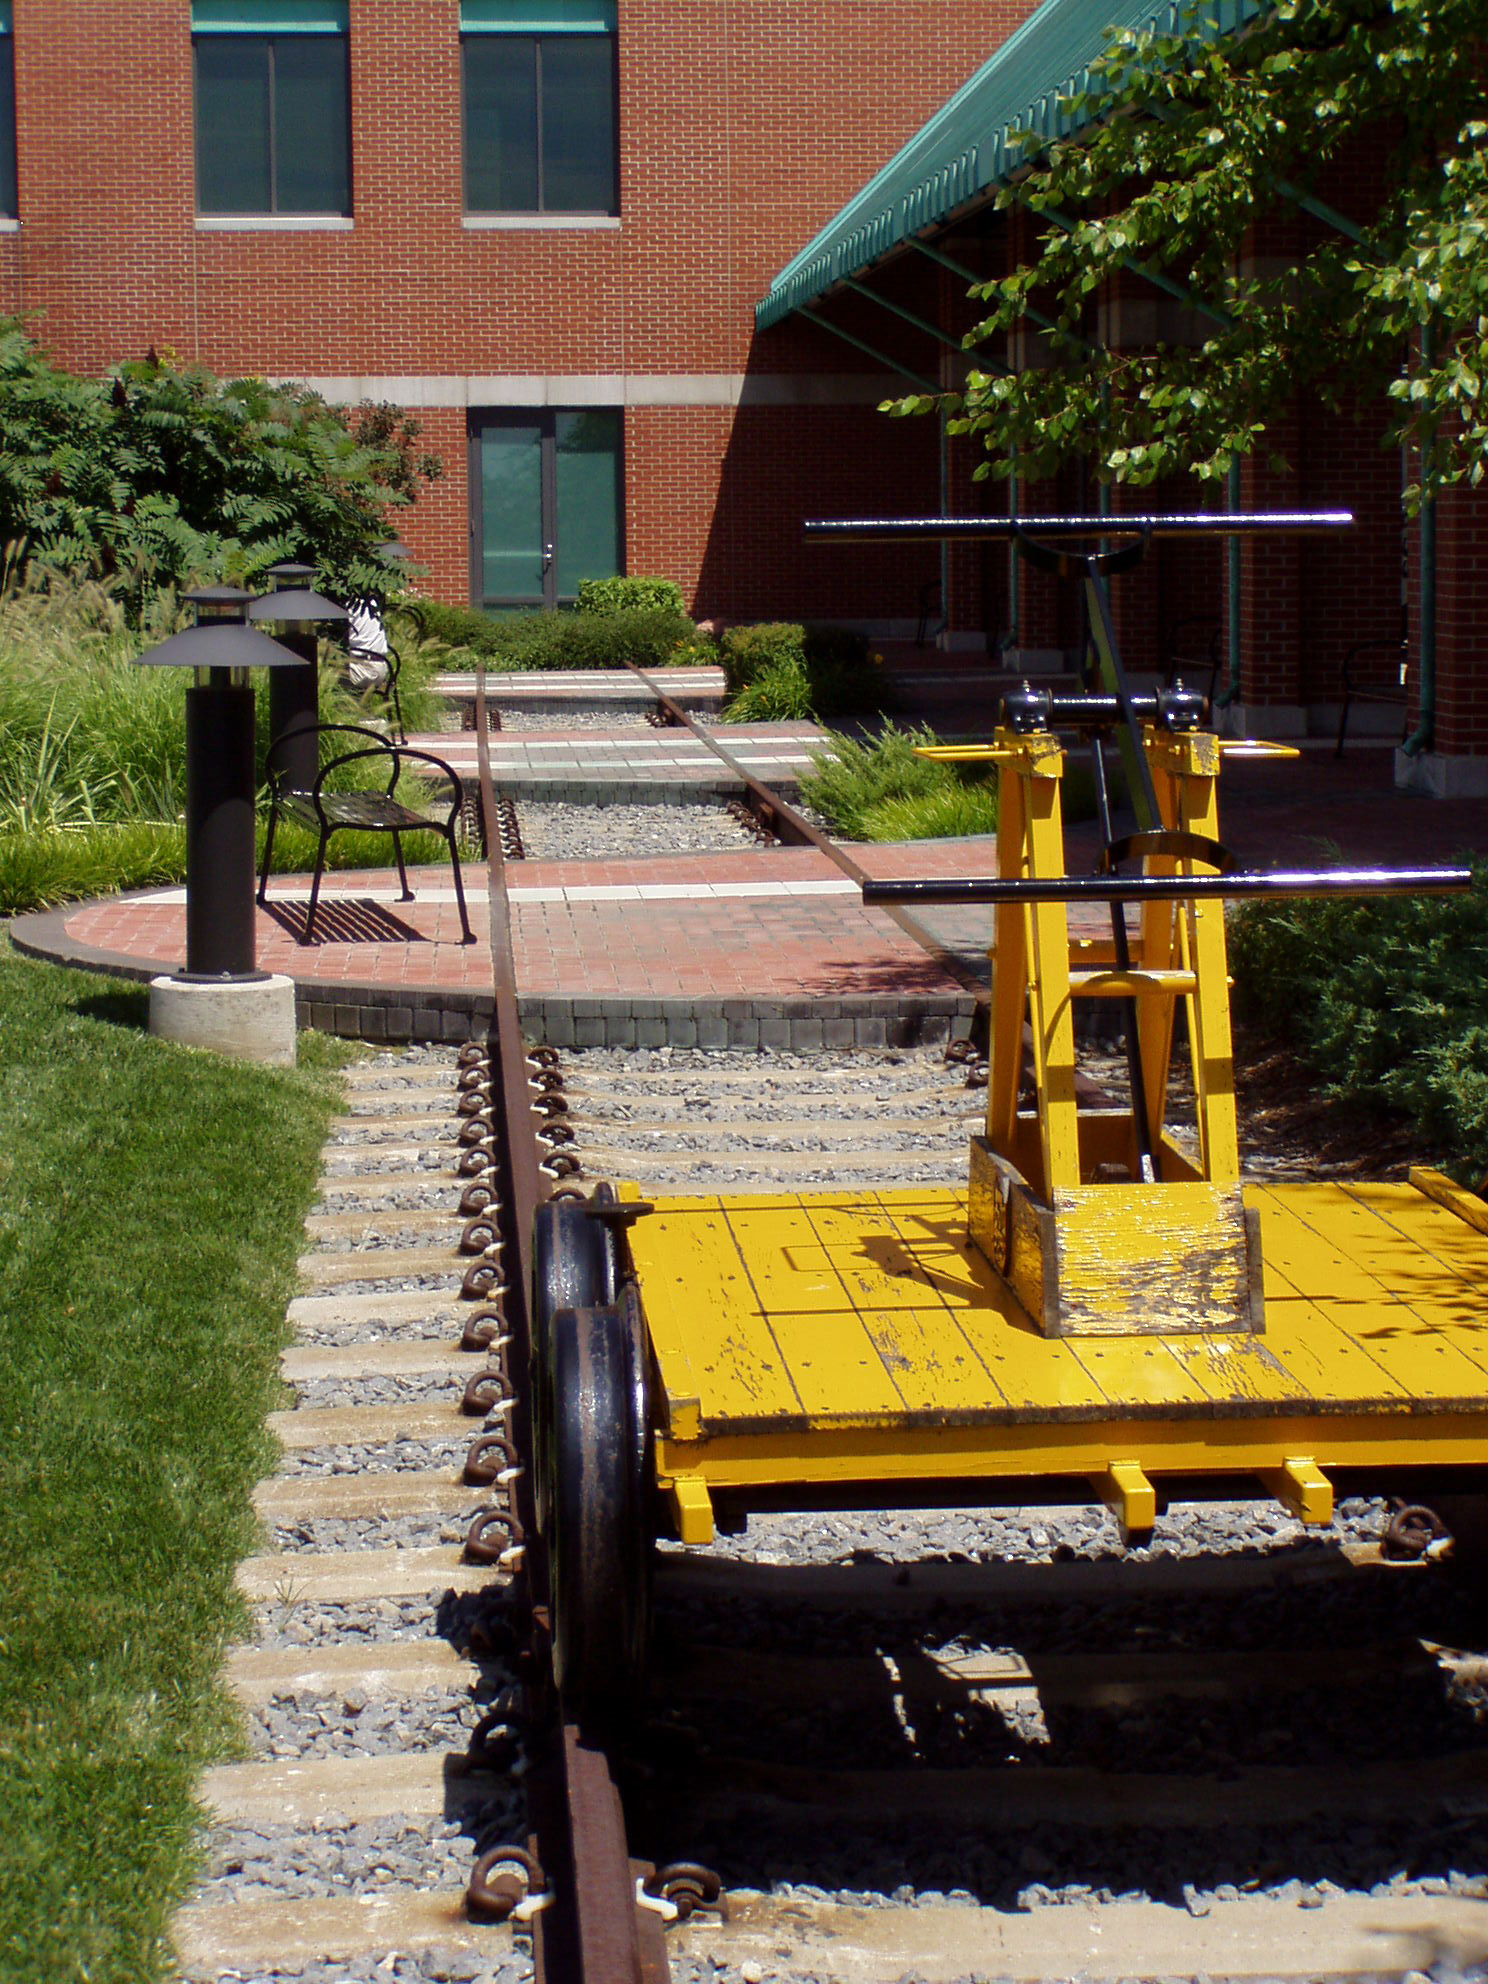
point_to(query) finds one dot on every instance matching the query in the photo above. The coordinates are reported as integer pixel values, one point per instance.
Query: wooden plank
(931, 1361)
(835, 1368)
(714, 1351)
(1310, 1259)
(786, 1262)
(1137, 1370)
(1231, 1368)
(1404, 1220)
(1425, 1361)
(875, 1266)
(1456, 1198)
(1327, 1363)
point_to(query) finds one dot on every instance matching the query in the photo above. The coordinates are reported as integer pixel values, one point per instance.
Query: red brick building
(560, 232)
(542, 228)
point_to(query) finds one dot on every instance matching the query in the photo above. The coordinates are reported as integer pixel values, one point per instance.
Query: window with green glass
(539, 107)
(7, 116)
(273, 123)
(545, 496)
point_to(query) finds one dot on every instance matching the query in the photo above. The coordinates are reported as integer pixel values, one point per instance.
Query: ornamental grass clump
(881, 791)
(93, 748)
(1385, 1001)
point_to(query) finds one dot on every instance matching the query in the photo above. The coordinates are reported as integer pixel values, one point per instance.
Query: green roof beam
(871, 351)
(1037, 316)
(920, 323)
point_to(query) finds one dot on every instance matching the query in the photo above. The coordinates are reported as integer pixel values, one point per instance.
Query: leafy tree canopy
(1192, 142)
(161, 473)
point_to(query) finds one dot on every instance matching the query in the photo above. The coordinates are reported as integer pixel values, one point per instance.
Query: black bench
(361, 812)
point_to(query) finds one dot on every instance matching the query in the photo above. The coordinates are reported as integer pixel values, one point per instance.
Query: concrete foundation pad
(251, 1019)
(1440, 776)
(1272, 722)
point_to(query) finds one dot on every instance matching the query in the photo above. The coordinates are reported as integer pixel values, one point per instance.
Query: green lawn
(150, 1208)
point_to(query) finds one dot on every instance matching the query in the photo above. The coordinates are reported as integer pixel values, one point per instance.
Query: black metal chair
(361, 812)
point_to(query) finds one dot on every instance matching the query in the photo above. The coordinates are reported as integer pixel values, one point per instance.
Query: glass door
(545, 506)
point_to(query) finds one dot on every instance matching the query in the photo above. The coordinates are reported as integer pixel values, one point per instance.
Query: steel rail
(593, 1931)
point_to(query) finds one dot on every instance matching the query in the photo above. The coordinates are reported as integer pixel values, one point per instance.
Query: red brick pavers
(772, 922)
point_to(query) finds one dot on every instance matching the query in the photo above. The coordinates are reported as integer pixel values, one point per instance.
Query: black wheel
(575, 1265)
(601, 1522)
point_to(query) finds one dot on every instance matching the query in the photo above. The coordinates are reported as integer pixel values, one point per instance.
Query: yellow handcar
(1104, 1310)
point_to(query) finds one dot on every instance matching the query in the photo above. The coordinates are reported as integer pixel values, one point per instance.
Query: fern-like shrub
(160, 472)
(783, 670)
(1384, 1000)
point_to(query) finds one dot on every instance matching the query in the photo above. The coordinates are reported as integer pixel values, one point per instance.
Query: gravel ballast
(553, 831)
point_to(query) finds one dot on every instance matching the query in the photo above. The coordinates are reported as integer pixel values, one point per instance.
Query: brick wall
(744, 124)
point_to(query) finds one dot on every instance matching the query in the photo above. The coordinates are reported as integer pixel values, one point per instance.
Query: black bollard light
(294, 694)
(219, 779)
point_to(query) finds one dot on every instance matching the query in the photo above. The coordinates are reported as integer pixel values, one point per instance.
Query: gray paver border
(392, 1014)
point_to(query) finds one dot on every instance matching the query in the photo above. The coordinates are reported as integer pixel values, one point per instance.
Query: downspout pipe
(1424, 735)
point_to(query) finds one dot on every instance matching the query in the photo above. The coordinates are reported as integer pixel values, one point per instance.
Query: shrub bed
(628, 596)
(650, 637)
(786, 671)
(93, 751)
(1384, 1000)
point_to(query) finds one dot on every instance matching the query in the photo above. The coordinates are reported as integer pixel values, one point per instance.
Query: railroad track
(944, 1743)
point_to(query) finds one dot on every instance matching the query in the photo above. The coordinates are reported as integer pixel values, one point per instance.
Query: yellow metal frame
(1054, 1320)
(1084, 1253)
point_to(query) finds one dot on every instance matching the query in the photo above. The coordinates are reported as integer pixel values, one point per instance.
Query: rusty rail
(592, 1930)
(797, 831)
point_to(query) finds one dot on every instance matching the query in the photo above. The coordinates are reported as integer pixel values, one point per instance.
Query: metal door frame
(545, 418)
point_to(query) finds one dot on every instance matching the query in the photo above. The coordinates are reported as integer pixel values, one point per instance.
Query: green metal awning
(966, 150)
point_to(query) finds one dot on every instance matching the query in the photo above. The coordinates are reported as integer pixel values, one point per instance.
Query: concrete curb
(403, 1014)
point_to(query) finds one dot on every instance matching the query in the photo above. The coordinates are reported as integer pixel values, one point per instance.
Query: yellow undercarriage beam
(692, 1508)
(1129, 1495)
(1285, 1452)
(1300, 1485)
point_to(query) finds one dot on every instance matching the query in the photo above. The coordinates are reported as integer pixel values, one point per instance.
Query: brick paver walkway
(776, 922)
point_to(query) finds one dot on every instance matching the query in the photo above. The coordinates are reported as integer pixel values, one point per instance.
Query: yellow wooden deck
(812, 1337)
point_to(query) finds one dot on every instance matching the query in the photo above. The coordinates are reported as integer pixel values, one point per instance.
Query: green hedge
(628, 596)
(1385, 1001)
(783, 670)
(648, 637)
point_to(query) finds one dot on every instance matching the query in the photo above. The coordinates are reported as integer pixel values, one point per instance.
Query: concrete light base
(251, 1019)
(1441, 776)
